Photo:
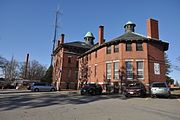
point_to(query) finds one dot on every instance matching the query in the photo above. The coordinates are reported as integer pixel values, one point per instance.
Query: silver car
(42, 86)
(160, 89)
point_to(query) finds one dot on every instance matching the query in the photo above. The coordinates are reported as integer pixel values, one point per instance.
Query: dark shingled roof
(129, 36)
(78, 44)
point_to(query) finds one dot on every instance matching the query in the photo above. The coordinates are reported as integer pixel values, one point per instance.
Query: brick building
(65, 70)
(131, 56)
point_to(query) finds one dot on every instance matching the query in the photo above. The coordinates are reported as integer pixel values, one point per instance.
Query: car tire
(82, 93)
(36, 90)
(92, 92)
(52, 89)
(98, 92)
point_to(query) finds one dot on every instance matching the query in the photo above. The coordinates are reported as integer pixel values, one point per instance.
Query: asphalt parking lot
(69, 105)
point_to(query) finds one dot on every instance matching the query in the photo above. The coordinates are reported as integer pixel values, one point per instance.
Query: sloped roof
(78, 44)
(129, 36)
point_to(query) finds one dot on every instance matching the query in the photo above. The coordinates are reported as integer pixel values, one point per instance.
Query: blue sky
(27, 26)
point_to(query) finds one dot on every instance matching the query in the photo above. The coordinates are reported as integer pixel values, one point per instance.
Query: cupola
(129, 26)
(89, 38)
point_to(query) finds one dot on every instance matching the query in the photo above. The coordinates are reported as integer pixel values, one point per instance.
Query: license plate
(131, 92)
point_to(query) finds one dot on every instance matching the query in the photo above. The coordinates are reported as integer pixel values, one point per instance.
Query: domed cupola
(89, 38)
(129, 26)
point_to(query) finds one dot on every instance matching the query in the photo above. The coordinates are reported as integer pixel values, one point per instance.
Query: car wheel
(82, 93)
(92, 92)
(36, 89)
(52, 89)
(98, 92)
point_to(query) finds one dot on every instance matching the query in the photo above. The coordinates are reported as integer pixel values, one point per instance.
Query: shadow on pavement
(34, 100)
(28, 101)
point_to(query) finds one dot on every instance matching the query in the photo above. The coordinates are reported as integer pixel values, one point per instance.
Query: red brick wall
(68, 70)
(121, 56)
(156, 55)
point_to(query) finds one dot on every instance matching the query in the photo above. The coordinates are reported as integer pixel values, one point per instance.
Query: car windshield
(159, 85)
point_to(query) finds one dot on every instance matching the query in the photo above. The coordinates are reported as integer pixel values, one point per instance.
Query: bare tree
(83, 72)
(12, 69)
(36, 71)
(3, 63)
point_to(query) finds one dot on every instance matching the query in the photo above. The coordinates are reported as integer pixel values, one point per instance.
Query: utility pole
(55, 34)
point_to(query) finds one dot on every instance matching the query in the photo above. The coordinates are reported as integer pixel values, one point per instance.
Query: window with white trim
(108, 50)
(108, 71)
(140, 69)
(139, 46)
(116, 48)
(69, 59)
(116, 70)
(129, 70)
(128, 46)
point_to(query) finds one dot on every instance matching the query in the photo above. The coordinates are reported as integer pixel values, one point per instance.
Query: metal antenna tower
(55, 34)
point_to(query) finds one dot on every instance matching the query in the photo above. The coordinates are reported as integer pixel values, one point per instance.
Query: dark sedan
(91, 89)
(134, 88)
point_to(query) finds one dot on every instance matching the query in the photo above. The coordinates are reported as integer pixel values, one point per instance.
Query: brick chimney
(101, 35)
(152, 28)
(62, 39)
(58, 43)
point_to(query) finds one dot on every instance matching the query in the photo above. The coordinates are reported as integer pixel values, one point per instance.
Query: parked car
(91, 89)
(134, 88)
(160, 89)
(42, 86)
